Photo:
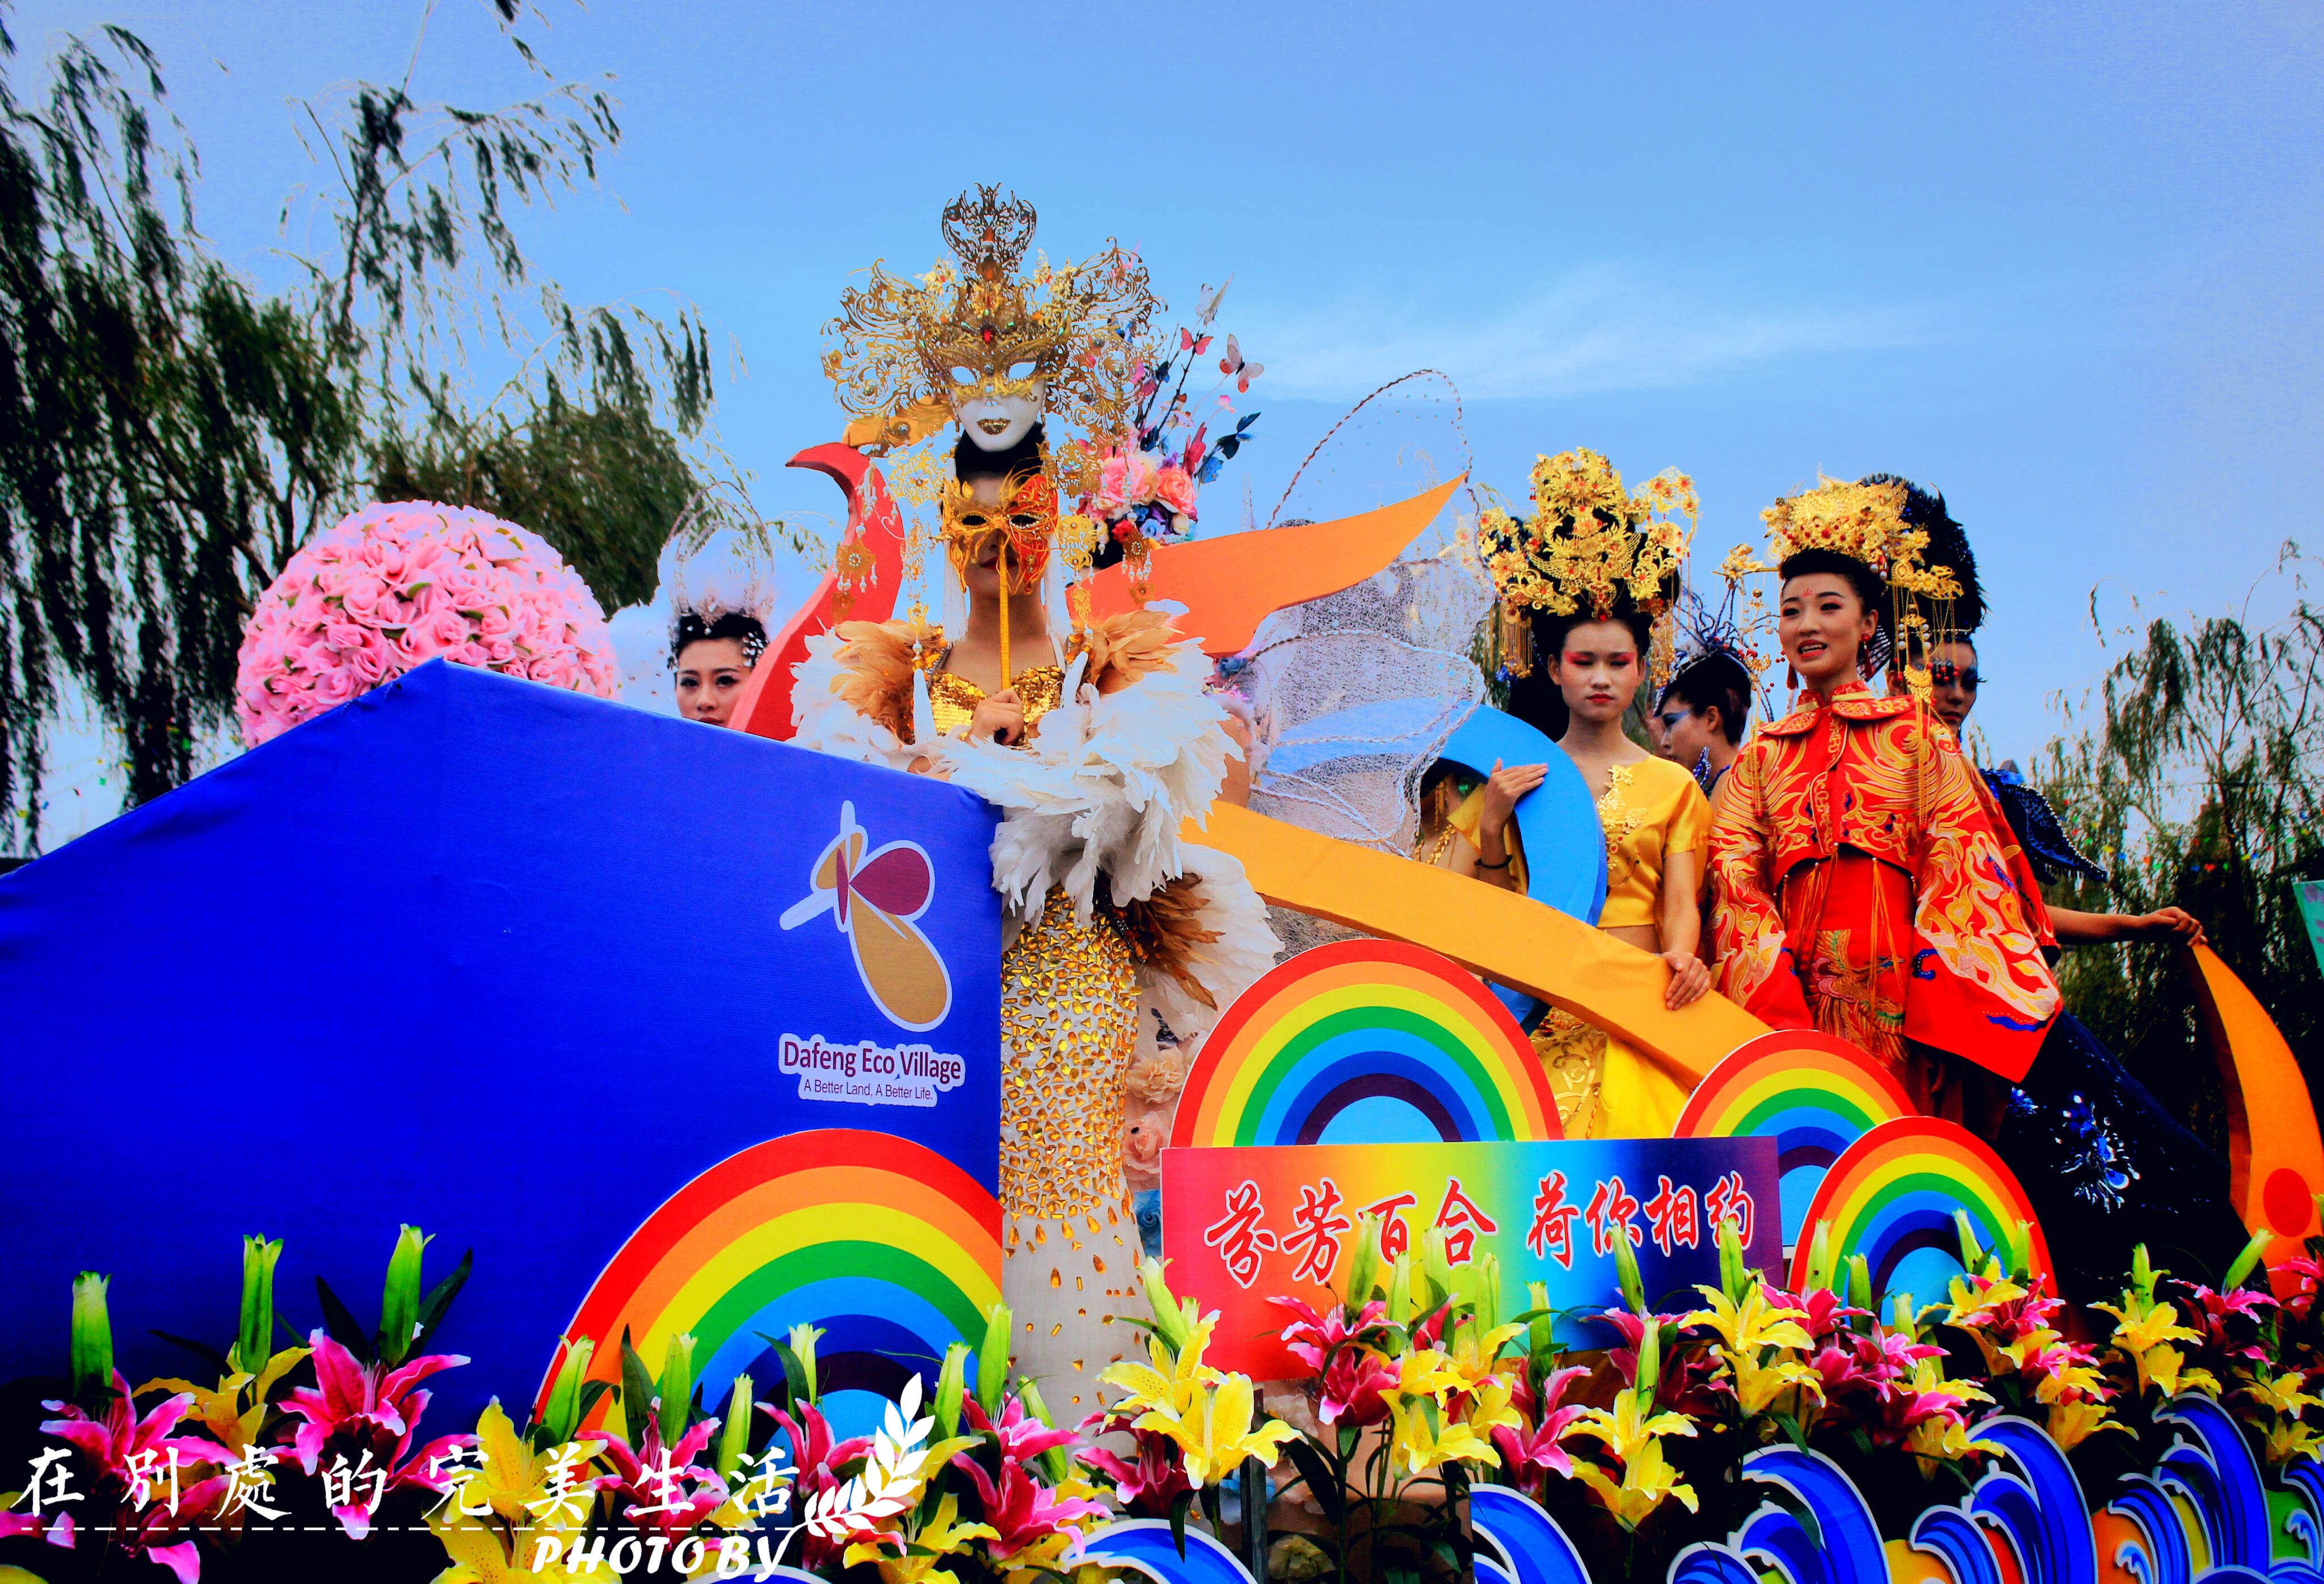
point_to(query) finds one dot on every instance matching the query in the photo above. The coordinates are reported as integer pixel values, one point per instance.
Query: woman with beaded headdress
(1867, 885)
(1704, 708)
(1095, 738)
(2105, 1166)
(1586, 589)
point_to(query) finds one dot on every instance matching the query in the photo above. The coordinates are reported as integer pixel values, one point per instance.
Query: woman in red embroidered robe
(1866, 887)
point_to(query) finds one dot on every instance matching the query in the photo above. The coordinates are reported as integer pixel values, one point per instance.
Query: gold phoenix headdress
(1865, 523)
(909, 348)
(1589, 543)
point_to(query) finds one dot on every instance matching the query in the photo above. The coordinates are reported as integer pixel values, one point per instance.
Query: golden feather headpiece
(909, 349)
(1864, 522)
(1589, 540)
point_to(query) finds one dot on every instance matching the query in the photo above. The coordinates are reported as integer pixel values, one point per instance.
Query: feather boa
(1102, 789)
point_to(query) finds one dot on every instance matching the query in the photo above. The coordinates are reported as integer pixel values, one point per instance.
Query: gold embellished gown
(1154, 926)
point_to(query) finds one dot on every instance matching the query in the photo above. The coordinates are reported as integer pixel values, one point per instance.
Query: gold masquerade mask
(1025, 523)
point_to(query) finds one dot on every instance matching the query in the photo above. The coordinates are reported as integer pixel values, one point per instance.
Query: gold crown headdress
(1589, 543)
(911, 348)
(1864, 522)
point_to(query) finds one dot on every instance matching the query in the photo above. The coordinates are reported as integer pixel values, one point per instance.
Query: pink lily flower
(1020, 1508)
(366, 1413)
(1534, 1454)
(1022, 1436)
(1311, 1336)
(110, 1443)
(2311, 1276)
(1148, 1486)
(662, 1491)
(1824, 1309)
(1351, 1389)
(818, 1463)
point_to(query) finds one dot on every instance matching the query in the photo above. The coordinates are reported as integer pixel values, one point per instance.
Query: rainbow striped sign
(1241, 1226)
(1891, 1196)
(889, 1247)
(1366, 1042)
(1814, 1094)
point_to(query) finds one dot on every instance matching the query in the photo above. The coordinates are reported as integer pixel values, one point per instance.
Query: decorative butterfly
(1233, 366)
(874, 897)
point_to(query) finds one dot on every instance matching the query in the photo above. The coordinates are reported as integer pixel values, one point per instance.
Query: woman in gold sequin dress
(1096, 740)
(1586, 588)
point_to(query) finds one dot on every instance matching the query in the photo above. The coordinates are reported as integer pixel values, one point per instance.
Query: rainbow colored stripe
(1813, 1094)
(1891, 1196)
(1367, 1041)
(890, 1249)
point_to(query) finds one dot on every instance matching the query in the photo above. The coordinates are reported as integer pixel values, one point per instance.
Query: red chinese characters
(1461, 1220)
(1674, 1216)
(1551, 1236)
(1609, 1215)
(1728, 1201)
(1396, 1234)
(1316, 1227)
(1238, 1236)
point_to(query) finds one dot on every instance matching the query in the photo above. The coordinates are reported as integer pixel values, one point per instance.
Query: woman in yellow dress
(1096, 741)
(1586, 589)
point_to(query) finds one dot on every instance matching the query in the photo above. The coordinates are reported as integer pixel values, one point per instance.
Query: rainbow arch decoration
(1891, 1196)
(1366, 1042)
(890, 1249)
(1814, 1093)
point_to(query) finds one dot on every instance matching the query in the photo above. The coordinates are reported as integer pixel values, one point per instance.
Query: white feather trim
(822, 721)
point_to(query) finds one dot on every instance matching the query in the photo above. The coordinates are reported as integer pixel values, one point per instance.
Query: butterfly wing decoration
(1234, 367)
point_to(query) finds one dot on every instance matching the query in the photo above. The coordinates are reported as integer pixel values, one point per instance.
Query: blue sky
(2059, 262)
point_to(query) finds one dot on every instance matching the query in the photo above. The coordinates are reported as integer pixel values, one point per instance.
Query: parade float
(691, 1043)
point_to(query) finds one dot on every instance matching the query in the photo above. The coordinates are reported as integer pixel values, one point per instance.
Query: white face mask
(996, 422)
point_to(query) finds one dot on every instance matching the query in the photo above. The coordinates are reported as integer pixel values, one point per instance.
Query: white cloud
(1597, 328)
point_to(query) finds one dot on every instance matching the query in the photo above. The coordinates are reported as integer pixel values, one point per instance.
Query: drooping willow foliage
(170, 434)
(2199, 783)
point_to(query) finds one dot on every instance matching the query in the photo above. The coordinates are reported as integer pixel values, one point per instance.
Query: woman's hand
(1689, 978)
(1504, 787)
(1000, 717)
(2170, 924)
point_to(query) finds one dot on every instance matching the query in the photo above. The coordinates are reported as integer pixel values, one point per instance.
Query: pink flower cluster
(394, 586)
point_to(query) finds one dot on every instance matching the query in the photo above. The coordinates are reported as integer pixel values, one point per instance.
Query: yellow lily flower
(1966, 1301)
(1477, 1353)
(1172, 1386)
(478, 1556)
(1423, 1373)
(1491, 1405)
(943, 1536)
(512, 1471)
(1944, 1441)
(1627, 1427)
(2072, 1424)
(1757, 1385)
(1752, 1324)
(1647, 1478)
(2140, 1328)
(2163, 1366)
(2283, 1394)
(1423, 1440)
(1215, 1434)
(220, 1411)
(2291, 1438)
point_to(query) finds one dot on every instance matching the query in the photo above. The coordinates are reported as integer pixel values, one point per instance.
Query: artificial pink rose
(1174, 487)
(1142, 1138)
(451, 628)
(337, 686)
(494, 621)
(499, 652)
(345, 636)
(1156, 1077)
(472, 653)
(360, 594)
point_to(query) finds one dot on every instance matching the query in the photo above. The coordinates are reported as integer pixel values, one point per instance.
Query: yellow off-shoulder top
(1651, 810)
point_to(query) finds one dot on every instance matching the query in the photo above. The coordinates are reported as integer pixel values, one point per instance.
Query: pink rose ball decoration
(394, 586)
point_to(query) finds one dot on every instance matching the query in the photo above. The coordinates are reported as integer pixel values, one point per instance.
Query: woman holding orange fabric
(1867, 886)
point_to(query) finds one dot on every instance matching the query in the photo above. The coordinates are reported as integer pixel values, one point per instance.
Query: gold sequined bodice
(954, 698)
(1069, 1019)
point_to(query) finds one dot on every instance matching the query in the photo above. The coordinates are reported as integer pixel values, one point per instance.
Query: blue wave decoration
(1819, 1530)
(1146, 1545)
(1537, 1549)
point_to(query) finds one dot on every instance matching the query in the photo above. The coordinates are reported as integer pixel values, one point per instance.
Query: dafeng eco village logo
(874, 897)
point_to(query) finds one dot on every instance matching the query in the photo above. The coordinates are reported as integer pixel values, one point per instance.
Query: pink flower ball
(396, 585)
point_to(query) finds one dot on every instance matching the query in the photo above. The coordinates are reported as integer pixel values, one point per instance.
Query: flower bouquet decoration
(393, 587)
